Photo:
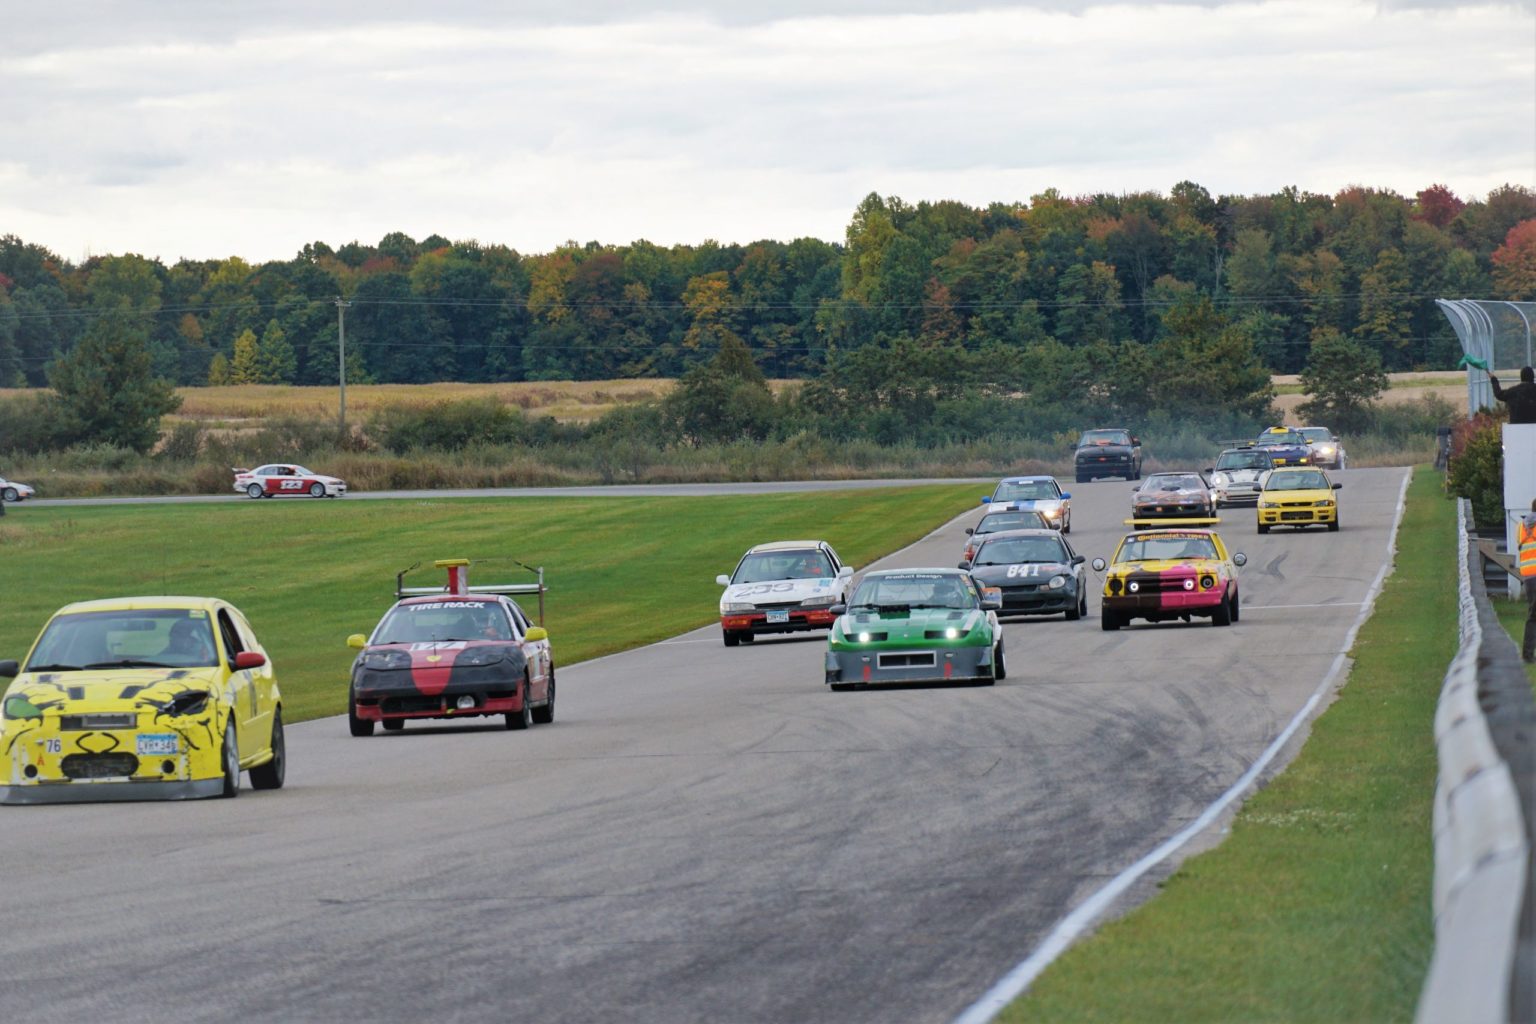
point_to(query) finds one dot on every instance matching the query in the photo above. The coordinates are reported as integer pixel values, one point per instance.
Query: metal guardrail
(1484, 964)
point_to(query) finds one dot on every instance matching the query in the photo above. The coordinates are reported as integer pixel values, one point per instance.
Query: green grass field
(621, 571)
(1512, 614)
(1316, 907)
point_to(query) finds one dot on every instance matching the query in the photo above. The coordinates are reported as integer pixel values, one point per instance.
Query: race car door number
(154, 743)
(778, 615)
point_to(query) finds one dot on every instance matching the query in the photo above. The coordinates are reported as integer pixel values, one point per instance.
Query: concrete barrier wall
(1483, 900)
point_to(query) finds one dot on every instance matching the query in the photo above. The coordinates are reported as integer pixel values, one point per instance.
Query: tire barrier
(1484, 901)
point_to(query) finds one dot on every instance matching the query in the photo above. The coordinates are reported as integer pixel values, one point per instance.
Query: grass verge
(621, 571)
(1512, 615)
(1317, 906)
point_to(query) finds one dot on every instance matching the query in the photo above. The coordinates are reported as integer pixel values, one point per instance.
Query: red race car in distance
(284, 479)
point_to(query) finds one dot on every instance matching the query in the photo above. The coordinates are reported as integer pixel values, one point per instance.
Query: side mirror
(9, 670)
(838, 609)
(987, 500)
(991, 599)
(357, 640)
(535, 634)
(969, 531)
(723, 580)
(1337, 486)
(1208, 470)
(964, 564)
(1099, 565)
(1065, 495)
(1239, 559)
(249, 659)
(845, 572)
(1079, 559)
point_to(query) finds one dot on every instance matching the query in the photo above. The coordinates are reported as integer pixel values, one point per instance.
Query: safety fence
(1484, 964)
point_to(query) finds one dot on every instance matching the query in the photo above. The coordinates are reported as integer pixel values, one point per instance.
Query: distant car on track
(916, 626)
(453, 652)
(1034, 493)
(1168, 574)
(286, 480)
(1284, 446)
(141, 698)
(1238, 476)
(1107, 451)
(1036, 572)
(1165, 496)
(11, 490)
(1327, 450)
(1298, 496)
(1004, 519)
(785, 586)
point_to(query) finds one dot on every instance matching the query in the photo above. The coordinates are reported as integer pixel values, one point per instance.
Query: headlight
(819, 602)
(1057, 582)
(187, 702)
(475, 656)
(862, 638)
(1220, 479)
(1189, 584)
(952, 633)
(1325, 503)
(1050, 513)
(737, 607)
(382, 661)
(1133, 586)
(1269, 504)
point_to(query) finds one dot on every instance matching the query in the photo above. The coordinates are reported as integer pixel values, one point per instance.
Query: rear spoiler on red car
(458, 582)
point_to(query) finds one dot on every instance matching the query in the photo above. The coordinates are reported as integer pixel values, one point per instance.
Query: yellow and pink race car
(1164, 575)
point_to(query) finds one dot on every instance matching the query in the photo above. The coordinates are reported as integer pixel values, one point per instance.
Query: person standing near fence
(1521, 398)
(1527, 563)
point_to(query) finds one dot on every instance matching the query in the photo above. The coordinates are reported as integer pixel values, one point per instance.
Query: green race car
(916, 626)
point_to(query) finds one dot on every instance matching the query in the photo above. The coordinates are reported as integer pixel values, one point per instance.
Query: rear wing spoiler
(458, 582)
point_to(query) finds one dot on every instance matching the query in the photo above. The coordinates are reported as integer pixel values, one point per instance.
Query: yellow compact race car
(141, 698)
(1160, 575)
(1299, 496)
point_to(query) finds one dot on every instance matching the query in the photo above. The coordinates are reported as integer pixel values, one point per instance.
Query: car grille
(1155, 585)
(1295, 515)
(907, 659)
(764, 605)
(408, 705)
(86, 723)
(98, 766)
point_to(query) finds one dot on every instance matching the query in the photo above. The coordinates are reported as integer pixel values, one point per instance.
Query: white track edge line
(1067, 930)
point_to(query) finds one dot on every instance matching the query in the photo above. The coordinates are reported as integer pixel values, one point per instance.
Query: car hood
(1021, 573)
(109, 689)
(1310, 494)
(1171, 495)
(781, 591)
(910, 625)
(1239, 476)
(1171, 566)
(1028, 504)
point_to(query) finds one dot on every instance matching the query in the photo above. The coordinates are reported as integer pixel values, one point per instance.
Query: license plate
(778, 615)
(154, 743)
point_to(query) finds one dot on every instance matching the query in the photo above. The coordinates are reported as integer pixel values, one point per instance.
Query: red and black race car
(453, 652)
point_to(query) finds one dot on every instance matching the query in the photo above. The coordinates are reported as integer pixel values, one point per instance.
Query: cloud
(280, 124)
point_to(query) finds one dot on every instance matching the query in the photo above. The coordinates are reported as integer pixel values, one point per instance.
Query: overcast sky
(184, 128)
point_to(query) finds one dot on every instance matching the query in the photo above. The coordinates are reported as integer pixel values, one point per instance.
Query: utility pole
(341, 357)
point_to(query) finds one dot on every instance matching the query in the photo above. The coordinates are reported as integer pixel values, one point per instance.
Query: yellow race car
(1160, 575)
(140, 698)
(1298, 496)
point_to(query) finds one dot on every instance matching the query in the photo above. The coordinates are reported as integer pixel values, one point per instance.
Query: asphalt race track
(703, 834)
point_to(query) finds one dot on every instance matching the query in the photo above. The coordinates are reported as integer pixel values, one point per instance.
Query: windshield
(1285, 437)
(1026, 520)
(1311, 481)
(152, 638)
(1103, 437)
(796, 564)
(899, 591)
(1243, 460)
(1173, 482)
(436, 621)
(1146, 549)
(1013, 550)
(1316, 434)
(1026, 490)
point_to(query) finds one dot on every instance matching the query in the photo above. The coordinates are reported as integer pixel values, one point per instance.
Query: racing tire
(546, 714)
(1263, 528)
(1078, 610)
(999, 664)
(317, 490)
(11, 494)
(230, 753)
(1066, 525)
(730, 637)
(1333, 527)
(254, 490)
(358, 726)
(393, 724)
(520, 720)
(1222, 616)
(1082, 479)
(270, 775)
(1110, 621)
(1236, 606)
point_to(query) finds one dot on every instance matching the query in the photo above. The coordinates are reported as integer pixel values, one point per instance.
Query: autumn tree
(1514, 263)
